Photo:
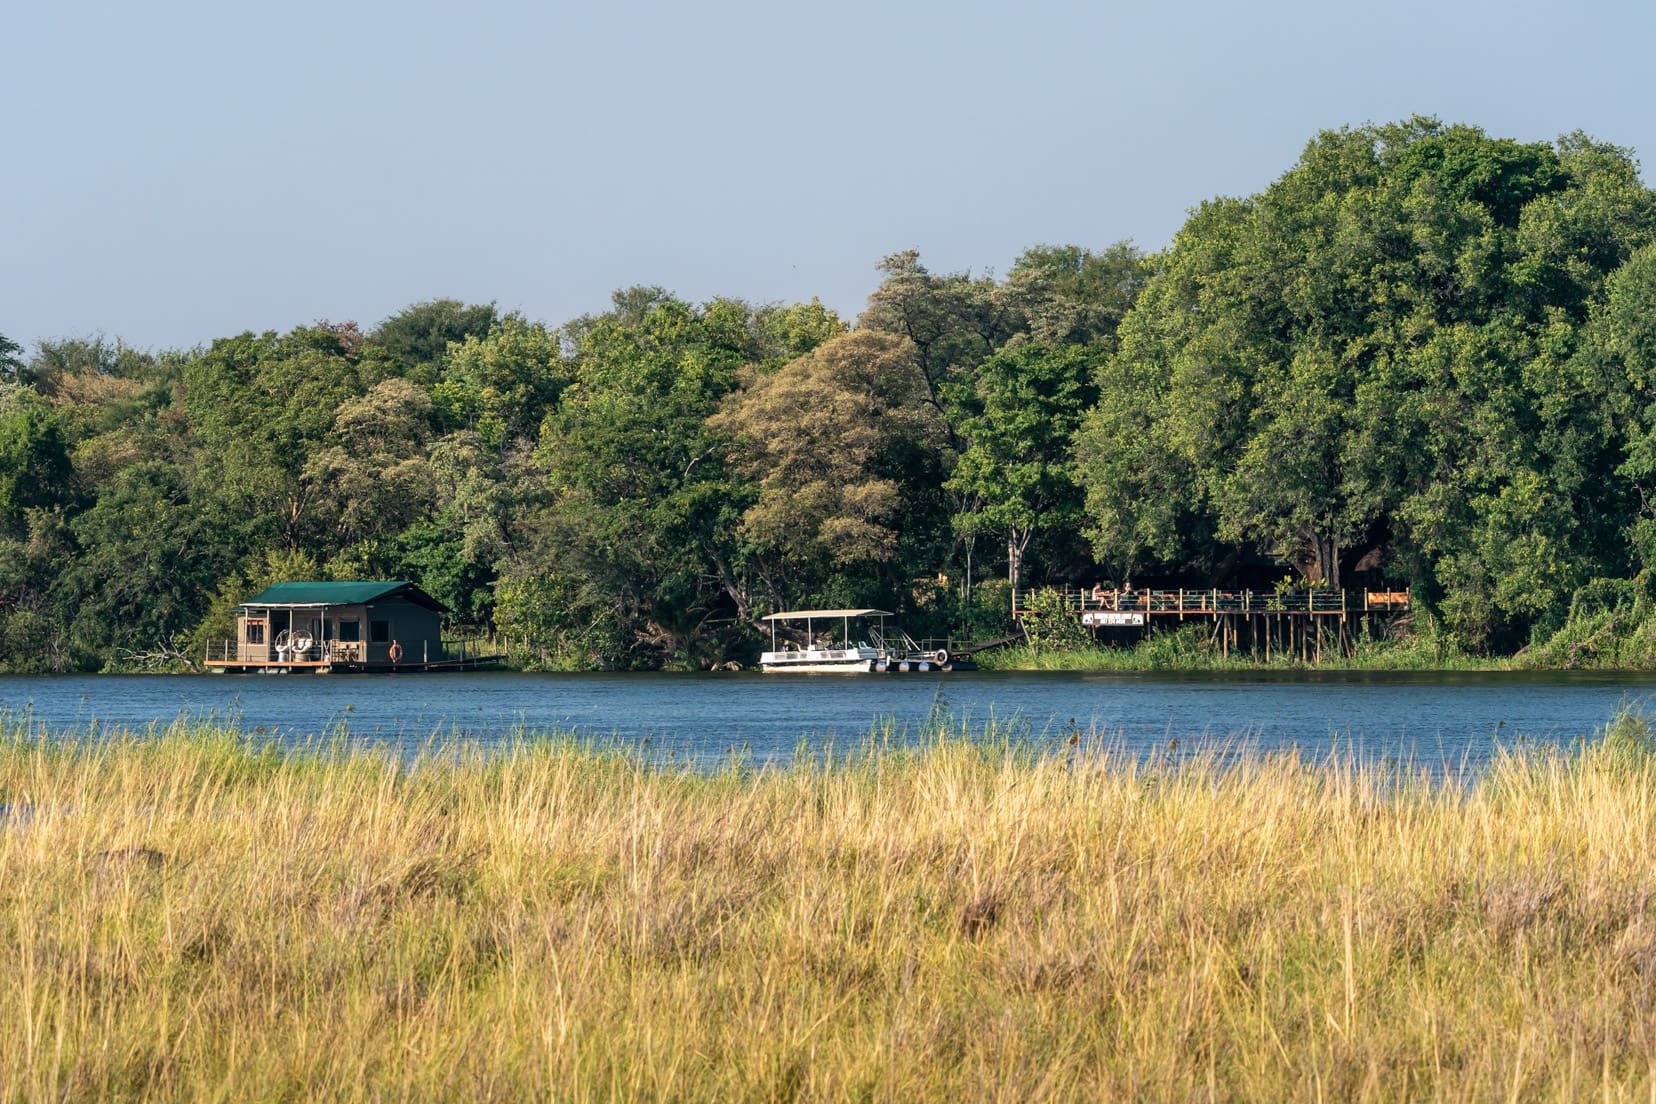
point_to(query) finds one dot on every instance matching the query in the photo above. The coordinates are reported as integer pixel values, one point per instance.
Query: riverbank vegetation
(1421, 357)
(192, 915)
(1193, 649)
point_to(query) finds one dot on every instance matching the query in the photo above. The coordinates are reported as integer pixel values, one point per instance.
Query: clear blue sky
(179, 171)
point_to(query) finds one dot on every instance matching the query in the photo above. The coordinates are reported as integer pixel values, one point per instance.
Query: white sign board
(1100, 618)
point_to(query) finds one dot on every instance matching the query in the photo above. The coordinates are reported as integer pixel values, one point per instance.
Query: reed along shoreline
(193, 914)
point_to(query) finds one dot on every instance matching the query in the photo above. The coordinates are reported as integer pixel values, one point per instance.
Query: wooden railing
(1187, 601)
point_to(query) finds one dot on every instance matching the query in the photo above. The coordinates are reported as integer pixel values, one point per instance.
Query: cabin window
(350, 632)
(379, 632)
(255, 631)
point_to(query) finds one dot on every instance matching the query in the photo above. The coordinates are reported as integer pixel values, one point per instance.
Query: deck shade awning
(806, 615)
(311, 594)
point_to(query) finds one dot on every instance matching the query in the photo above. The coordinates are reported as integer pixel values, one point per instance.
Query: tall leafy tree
(1069, 295)
(954, 322)
(147, 562)
(34, 458)
(261, 408)
(643, 509)
(502, 384)
(831, 442)
(1019, 418)
(1615, 371)
(370, 477)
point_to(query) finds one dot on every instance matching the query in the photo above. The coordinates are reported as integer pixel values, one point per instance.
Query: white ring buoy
(396, 653)
(942, 656)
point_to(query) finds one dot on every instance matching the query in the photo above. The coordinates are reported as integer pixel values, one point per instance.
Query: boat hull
(834, 661)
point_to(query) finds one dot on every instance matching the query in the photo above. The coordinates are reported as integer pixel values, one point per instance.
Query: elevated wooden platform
(1315, 602)
(1297, 622)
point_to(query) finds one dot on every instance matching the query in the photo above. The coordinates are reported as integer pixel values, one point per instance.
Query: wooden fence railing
(1186, 602)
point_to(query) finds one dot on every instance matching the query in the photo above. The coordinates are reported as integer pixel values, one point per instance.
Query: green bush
(1053, 627)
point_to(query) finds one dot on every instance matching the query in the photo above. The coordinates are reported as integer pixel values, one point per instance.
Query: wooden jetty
(1295, 621)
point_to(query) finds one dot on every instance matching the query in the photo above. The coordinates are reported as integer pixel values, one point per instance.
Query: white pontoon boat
(829, 655)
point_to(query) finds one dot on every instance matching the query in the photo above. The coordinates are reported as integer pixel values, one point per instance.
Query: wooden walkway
(1314, 602)
(1296, 622)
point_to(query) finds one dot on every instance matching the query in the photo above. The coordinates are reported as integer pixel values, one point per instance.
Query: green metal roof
(343, 594)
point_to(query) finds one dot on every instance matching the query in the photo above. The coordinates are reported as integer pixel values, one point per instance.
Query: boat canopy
(807, 615)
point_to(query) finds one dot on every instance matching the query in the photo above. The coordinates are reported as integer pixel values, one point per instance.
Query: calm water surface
(1449, 717)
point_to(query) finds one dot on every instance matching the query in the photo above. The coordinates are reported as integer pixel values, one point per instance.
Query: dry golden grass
(188, 917)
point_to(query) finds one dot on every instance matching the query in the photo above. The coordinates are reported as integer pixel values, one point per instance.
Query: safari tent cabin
(330, 626)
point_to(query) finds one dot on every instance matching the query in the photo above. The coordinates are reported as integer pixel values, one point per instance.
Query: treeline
(1423, 356)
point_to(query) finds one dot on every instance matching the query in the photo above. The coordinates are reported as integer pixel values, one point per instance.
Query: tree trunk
(1328, 560)
(1016, 542)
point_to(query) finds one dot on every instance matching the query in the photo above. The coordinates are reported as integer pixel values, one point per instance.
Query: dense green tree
(501, 385)
(1421, 347)
(1371, 349)
(34, 458)
(787, 332)
(643, 507)
(1615, 371)
(1019, 417)
(1067, 295)
(33, 635)
(415, 342)
(146, 565)
(553, 620)
(260, 408)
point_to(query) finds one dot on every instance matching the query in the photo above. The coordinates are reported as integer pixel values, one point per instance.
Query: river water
(1452, 719)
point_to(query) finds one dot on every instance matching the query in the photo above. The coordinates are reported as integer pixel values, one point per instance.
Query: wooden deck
(341, 667)
(1296, 622)
(341, 659)
(1216, 603)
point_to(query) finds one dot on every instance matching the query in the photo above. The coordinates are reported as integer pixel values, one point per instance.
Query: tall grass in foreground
(192, 917)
